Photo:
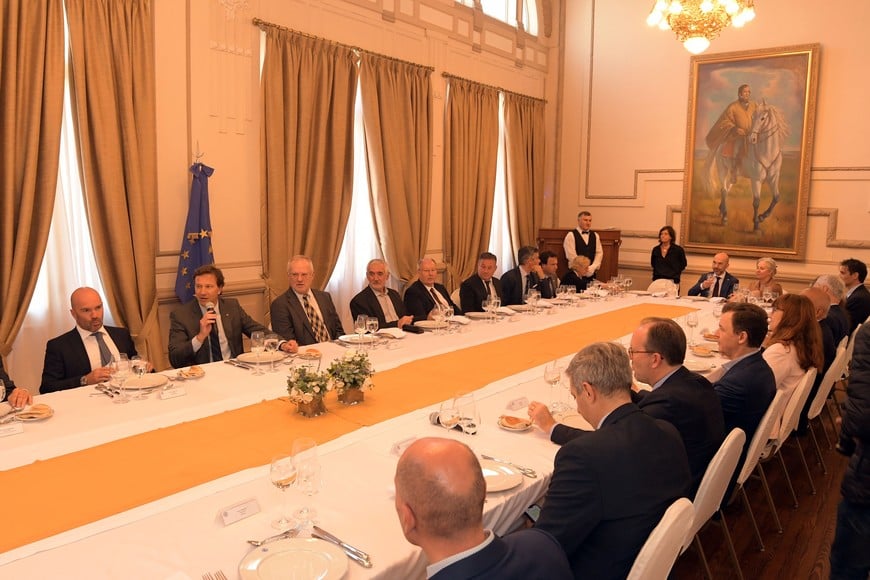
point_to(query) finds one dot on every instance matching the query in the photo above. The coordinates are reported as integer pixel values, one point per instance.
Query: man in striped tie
(302, 314)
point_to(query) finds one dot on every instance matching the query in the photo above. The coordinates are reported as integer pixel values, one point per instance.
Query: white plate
(698, 366)
(148, 381)
(188, 374)
(292, 559)
(520, 307)
(639, 292)
(357, 339)
(265, 357)
(698, 298)
(575, 420)
(478, 315)
(430, 324)
(45, 412)
(498, 476)
(522, 427)
(702, 353)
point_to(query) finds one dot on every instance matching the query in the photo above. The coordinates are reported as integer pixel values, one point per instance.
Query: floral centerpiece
(307, 388)
(351, 376)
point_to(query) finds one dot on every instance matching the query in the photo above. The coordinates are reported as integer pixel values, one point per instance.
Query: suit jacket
(184, 325)
(525, 554)
(419, 303)
(366, 302)
(291, 323)
(66, 359)
(10, 386)
(838, 321)
(572, 279)
(858, 307)
(472, 293)
(725, 288)
(547, 287)
(610, 488)
(512, 286)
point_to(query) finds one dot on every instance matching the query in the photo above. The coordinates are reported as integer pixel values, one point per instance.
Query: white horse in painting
(761, 163)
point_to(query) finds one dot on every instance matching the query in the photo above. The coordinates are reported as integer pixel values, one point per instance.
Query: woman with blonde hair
(576, 274)
(765, 270)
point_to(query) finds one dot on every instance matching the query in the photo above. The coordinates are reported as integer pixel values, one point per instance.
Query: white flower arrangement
(352, 371)
(304, 385)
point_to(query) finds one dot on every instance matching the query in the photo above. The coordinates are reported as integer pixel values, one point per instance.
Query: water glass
(692, 323)
(139, 366)
(257, 347)
(119, 372)
(372, 328)
(359, 327)
(270, 344)
(307, 476)
(282, 474)
(469, 417)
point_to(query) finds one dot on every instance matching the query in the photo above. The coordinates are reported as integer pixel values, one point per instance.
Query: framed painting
(749, 150)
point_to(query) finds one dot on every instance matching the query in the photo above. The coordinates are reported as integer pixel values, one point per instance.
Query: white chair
(789, 423)
(660, 285)
(835, 371)
(660, 551)
(750, 464)
(710, 494)
(455, 297)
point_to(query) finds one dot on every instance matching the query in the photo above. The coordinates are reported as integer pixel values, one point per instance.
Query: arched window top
(506, 11)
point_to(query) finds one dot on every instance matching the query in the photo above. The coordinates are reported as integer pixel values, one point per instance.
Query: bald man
(440, 492)
(82, 356)
(717, 283)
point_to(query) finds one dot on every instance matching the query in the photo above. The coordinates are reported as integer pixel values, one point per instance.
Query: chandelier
(697, 22)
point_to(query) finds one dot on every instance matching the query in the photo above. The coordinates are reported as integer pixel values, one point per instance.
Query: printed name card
(173, 392)
(517, 404)
(11, 429)
(239, 511)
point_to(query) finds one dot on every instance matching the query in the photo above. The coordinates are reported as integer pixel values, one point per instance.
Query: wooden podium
(551, 239)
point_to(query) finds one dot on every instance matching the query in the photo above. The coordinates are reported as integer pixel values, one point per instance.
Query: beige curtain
(524, 156)
(470, 153)
(112, 50)
(309, 88)
(397, 115)
(31, 108)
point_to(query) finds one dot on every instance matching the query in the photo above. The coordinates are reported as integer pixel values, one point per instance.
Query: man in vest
(582, 241)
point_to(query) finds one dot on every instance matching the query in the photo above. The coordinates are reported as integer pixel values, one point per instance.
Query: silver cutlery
(527, 471)
(219, 575)
(291, 533)
(238, 363)
(352, 552)
(9, 417)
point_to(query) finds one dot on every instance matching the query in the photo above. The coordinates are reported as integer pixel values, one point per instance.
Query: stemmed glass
(448, 317)
(468, 416)
(139, 367)
(282, 474)
(270, 344)
(553, 376)
(531, 299)
(359, 327)
(307, 477)
(494, 305)
(372, 328)
(257, 347)
(3, 391)
(692, 322)
(438, 318)
(120, 370)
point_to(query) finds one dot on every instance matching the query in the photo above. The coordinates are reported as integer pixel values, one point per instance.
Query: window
(506, 11)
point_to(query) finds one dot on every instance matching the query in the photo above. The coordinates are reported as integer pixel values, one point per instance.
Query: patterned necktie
(715, 291)
(105, 353)
(214, 343)
(317, 325)
(438, 300)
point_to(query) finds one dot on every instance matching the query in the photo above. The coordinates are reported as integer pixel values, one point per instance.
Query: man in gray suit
(209, 328)
(301, 314)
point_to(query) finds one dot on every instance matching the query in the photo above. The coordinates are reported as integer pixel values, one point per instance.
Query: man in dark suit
(81, 356)
(747, 385)
(440, 493)
(209, 328)
(378, 301)
(718, 283)
(480, 286)
(301, 314)
(422, 296)
(611, 487)
(822, 308)
(853, 273)
(549, 282)
(17, 396)
(516, 282)
(837, 318)
(684, 399)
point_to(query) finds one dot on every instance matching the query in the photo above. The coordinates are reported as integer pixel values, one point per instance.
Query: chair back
(850, 347)
(835, 371)
(715, 482)
(660, 551)
(660, 285)
(759, 440)
(796, 402)
(455, 297)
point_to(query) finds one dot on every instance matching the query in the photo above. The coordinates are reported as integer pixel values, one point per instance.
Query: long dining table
(141, 490)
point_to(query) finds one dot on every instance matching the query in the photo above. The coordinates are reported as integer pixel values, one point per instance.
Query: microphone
(209, 307)
(469, 428)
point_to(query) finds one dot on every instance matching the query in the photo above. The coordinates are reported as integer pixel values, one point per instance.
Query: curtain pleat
(524, 157)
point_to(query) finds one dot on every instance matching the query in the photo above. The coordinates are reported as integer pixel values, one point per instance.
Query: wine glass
(257, 346)
(359, 327)
(307, 477)
(270, 344)
(468, 416)
(119, 371)
(139, 366)
(282, 474)
(372, 328)
(2, 390)
(438, 318)
(553, 376)
(692, 322)
(494, 305)
(448, 317)
(448, 415)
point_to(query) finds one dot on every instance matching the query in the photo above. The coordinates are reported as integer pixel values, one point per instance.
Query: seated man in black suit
(746, 384)
(682, 398)
(718, 283)
(480, 286)
(837, 318)
(422, 296)
(516, 282)
(611, 487)
(301, 314)
(16, 396)
(378, 301)
(853, 273)
(549, 282)
(209, 328)
(82, 356)
(822, 307)
(439, 501)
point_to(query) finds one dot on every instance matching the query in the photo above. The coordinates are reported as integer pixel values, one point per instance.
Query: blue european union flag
(196, 246)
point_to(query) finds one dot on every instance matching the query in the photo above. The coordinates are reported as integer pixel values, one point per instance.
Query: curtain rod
(262, 25)
(502, 89)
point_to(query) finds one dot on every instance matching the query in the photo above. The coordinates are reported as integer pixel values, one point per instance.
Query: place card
(239, 511)
(11, 429)
(517, 404)
(399, 446)
(173, 392)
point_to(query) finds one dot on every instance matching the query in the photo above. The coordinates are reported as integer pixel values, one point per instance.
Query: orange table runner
(72, 490)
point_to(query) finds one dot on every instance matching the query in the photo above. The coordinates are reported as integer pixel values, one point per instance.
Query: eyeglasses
(632, 352)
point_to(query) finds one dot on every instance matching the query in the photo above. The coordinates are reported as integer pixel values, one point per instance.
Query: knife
(237, 363)
(354, 553)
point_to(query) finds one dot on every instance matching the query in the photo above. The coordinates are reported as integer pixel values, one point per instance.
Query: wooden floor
(802, 550)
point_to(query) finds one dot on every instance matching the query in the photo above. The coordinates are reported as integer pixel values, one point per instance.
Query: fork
(219, 575)
(527, 471)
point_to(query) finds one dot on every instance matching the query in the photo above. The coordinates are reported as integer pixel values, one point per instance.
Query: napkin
(659, 294)
(505, 310)
(394, 332)
(545, 303)
(461, 319)
(5, 409)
